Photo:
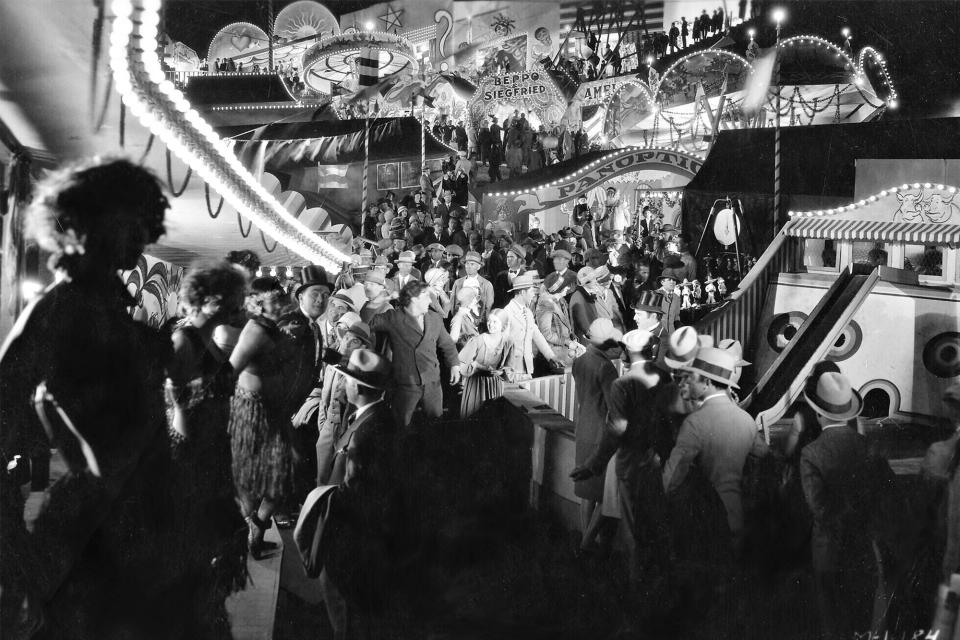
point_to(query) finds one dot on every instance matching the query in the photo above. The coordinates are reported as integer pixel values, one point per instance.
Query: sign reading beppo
(515, 85)
(532, 90)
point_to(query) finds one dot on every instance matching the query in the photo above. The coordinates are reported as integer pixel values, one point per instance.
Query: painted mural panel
(155, 285)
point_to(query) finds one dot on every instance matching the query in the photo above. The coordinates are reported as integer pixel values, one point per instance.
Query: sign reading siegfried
(515, 85)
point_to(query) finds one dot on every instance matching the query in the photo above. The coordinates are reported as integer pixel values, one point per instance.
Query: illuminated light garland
(721, 52)
(884, 193)
(254, 107)
(266, 38)
(164, 110)
(588, 167)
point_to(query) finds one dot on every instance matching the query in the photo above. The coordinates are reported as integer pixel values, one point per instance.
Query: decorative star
(391, 19)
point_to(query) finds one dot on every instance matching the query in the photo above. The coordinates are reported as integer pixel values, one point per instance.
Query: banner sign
(596, 91)
(566, 189)
(530, 90)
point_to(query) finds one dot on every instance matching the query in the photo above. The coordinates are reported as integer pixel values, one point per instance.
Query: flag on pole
(368, 67)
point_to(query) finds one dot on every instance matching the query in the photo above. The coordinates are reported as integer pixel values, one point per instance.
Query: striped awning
(840, 229)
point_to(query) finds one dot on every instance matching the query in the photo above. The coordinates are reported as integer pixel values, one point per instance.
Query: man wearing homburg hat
(471, 265)
(719, 433)
(639, 429)
(838, 487)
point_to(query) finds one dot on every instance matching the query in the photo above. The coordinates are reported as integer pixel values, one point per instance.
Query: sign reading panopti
(611, 166)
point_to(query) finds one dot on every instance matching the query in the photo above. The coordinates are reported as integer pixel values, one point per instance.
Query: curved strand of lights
(591, 165)
(165, 111)
(885, 193)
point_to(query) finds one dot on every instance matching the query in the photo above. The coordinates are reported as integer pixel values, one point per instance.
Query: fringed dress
(215, 534)
(259, 433)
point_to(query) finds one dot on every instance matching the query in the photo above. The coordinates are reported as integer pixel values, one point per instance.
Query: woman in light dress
(482, 364)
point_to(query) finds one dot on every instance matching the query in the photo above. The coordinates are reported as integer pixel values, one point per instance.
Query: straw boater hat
(406, 256)
(367, 368)
(312, 275)
(602, 330)
(715, 364)
(834, 397)
(555, 282)
(435, 275)
(525, 281)
(347, 319)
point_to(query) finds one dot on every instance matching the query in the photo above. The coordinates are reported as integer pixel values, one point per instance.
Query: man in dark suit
(416, 335)
(305, 326)
(838, 487)
(503, 281)
(364, 527)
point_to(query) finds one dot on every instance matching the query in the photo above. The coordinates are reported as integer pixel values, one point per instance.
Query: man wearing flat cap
(503, 281)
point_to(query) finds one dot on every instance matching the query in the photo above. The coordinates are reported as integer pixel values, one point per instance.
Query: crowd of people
(183, 444)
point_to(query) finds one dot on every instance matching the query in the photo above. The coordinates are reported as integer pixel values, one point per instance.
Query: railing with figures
(738, 317)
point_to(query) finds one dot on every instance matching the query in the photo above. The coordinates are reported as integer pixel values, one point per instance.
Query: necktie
(317, 342)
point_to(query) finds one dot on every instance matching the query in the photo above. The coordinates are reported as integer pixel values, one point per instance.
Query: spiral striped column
(366, 158)
(776, 137)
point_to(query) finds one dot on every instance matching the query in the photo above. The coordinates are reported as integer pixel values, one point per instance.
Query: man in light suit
(416, 334)
(522, 327)
(838, 484)
(719, 433)
(471, 264)
(406, 272)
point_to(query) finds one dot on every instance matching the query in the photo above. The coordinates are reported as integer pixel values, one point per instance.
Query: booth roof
(818, 160)
(341, 141)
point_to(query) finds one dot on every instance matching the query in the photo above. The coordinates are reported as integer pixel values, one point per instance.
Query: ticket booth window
(871, 252)
(820, 254)
(928, 261)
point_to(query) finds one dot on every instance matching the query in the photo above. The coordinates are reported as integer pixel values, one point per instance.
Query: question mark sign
(443, 14)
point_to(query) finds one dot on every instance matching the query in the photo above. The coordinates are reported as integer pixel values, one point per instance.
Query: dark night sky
(919, 38)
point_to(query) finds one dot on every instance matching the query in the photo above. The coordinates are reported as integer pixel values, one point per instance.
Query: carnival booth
(650, 178)
(325, 170)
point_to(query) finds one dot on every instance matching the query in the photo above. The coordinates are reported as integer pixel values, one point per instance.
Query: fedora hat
(342, 297)
(636, 341)
(518, 251)
(602, 330)
(834, 397)
(406, 256)
(556, 282)
(651, 301)
(525, 281)
(312, 275)
(361, 330)
(672, 262)
(736, 348)
(375, 277)
(682, 347)
(576, 230)
(714, 364)
(367, 368)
